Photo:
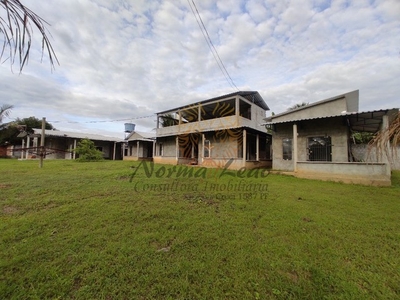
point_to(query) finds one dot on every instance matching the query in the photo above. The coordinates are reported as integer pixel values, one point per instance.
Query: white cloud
(127, 59)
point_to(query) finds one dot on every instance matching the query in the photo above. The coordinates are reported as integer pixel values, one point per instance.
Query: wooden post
(294, 157)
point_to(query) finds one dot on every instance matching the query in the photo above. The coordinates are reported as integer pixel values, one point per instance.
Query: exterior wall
(169, 150)
(134, 154)
(333, 127)
(66, 146)
(54, 143)
(330, 107)
(223, 147)
(358, 173)
(362, 153)
(226, 151)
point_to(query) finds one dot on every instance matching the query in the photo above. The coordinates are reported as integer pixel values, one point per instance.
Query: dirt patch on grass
(9, 210)
(4, 186)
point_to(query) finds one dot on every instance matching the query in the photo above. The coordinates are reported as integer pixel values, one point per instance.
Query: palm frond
(386, 141)
(5, 111)
(17, 30)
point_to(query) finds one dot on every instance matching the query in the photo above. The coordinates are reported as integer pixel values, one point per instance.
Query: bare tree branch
(17, 31)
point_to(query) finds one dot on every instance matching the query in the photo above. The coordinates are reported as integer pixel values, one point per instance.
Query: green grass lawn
(96, 231)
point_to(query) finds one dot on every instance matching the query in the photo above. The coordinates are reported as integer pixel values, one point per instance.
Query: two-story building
(218, 132)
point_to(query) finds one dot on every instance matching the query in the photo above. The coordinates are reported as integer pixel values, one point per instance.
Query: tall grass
(108, 230)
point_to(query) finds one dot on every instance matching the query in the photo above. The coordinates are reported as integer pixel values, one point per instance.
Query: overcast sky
(131, 59)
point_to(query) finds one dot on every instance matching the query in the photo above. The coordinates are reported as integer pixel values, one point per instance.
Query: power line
(102, 121)
(211, 45)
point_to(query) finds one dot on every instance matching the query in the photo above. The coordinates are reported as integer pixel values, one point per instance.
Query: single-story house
(139, 146)
(224, 131)
(313, 141)
(60, 144)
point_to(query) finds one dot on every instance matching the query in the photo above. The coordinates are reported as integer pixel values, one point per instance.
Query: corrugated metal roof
(77, 135)
(142, 136)
(252, 96)
(359, 121)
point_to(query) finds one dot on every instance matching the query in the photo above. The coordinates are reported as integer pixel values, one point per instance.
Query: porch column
(115, 149)
(203, 138)
(385, 148)
(177, 147)
(257, 147)
(22, 151)
(154, 148)
(28, 144)
(237, 110)
(294, 147)
(74, 155)
(244, 146)
(137, 149)
(199, 113)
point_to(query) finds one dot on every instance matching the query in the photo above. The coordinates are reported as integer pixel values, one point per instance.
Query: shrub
(87, 151)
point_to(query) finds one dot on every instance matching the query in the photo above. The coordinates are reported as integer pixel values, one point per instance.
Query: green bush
(87, 151)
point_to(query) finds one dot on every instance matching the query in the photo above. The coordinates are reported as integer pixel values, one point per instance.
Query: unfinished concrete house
(314, 141)
(225, 131)
(60, 144)
(139, 146)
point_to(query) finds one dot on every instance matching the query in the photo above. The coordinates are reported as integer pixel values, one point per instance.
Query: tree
(9, 135)
(168, 120)
(297, 106)
(361, 137)
(17, 30)
(87, 151)
(5, 111)
(32, 122)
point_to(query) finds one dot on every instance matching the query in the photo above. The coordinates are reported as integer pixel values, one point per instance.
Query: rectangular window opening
(319, 148)
(287, 148)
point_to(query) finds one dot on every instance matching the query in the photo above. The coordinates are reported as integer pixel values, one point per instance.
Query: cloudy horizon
(127, 60)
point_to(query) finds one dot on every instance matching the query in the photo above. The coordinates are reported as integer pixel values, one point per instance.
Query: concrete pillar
(137, 149)
(177, 148)
(203, 138)
(74, 155)
(294, 154)
(154, 149)
(244, 146)
(22, 151)
(237, 110)
(28, 144)
(115, 149)
(257, 147)
(385, 148)
(199, 113)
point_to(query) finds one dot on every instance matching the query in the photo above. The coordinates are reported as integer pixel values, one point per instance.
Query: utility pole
(42, 150)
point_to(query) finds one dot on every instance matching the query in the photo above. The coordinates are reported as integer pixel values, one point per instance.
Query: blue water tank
(129, 127)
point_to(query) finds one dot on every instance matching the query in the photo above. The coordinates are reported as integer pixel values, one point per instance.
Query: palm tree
(5, 111)
(17, 30)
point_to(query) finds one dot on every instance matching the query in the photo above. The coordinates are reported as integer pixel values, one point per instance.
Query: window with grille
(319, 148)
